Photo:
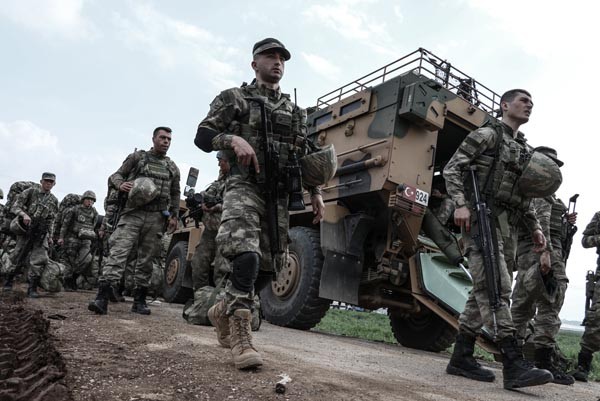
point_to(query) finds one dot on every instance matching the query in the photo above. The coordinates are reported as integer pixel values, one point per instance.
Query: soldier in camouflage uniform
(233, 123)
(543, 285)
(590, 341)
(206, 251)
(76, 236)
(496, 150)
(151, 181)
(441, 204)
(36, 210)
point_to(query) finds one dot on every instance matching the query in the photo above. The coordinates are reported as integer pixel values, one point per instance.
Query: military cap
(268, 44)
(49, 176)
(551, 153)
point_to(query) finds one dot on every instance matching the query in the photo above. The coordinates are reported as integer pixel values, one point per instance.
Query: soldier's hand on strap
(26, 219)
(539, 241)
(172, 225)
(545, 262)
(462, 217)
(318, 207)
(126, 186)
(244, 152)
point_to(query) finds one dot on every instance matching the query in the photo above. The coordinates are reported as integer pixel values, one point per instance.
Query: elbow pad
(204, 138)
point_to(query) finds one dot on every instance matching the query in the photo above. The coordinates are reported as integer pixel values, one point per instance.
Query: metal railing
(422, 62)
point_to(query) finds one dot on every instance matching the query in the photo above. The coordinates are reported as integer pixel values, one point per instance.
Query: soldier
(76, 235)
(212, 206)
(442, 205)
(543, 285)
(590, 341)
(35, 210)
(499, 151)
(151, 181)
(234, 123)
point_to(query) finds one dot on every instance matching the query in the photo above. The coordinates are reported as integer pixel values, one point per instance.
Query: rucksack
(14, 191)
(67, 202)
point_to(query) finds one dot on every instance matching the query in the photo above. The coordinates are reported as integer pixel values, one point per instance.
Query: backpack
(14, 191)
(67, 202)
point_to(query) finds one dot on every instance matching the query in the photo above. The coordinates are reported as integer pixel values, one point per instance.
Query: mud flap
(340, 277)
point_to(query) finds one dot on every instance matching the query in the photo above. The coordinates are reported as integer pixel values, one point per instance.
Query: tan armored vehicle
(394, 130)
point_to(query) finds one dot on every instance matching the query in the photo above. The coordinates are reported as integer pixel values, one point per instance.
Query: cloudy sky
(84, 82)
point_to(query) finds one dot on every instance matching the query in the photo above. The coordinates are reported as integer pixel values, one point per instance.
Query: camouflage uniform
(508, 210)
(37, 205)
(243, 230)
(206, 250)
(140, 229)
(445, 210)
(77, 230)
(547, 323)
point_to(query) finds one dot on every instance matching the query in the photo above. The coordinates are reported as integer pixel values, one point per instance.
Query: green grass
(376, 327)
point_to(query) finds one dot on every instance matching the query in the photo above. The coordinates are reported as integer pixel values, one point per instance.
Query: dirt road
(124, 356)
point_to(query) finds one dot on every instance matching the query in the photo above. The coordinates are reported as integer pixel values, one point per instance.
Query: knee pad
(244, 271)
(264, 279)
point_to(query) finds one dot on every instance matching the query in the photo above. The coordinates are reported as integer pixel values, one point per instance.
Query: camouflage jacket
(130, 169)
(37, 204)
(445, 210)
(478, 148)
(211, 220)
(231, 114)
(76, 218)
(591, 234)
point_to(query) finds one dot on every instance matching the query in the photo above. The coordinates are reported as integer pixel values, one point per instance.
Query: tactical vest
(84, 218)
(40, 205)
(160, 170)
(558, 226)
(498, 180)
(284, 121)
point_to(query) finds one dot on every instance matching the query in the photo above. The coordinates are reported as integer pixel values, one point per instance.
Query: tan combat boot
(244, 354)
(218, 318)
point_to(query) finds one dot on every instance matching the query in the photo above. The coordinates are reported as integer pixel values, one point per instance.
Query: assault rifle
(567, 241)
(485, 238)
(194, 204)
(590, 284)
(271, 184)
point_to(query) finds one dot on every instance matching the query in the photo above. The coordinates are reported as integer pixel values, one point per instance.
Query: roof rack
(425, 63)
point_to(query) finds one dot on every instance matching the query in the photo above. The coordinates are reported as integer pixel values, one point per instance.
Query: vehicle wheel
(173, 291)
(426, 331)
(293, 300)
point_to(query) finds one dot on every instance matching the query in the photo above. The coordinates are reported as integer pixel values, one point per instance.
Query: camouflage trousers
(591, 335)
(525, 301)
(77, 256)
(205, 257)
(477, 312)
(37, 256)
(140, 232)
(244, 229)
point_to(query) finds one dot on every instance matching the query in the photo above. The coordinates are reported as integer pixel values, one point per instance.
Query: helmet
(319, 167)
(541, 176)
(17, 227)
(89, 195)
(143, 192)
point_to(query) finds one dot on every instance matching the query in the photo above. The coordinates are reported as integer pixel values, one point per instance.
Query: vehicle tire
(176, 263)
(426, 331)
(293, 300)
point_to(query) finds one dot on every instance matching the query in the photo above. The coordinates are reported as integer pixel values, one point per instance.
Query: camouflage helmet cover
(17, 227)
(89, 195)
(541, 176)
(319, 167)
(144, 191)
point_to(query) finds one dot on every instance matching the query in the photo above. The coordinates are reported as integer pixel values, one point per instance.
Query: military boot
(74, 281)
(584, 365)
(68, 284)
(462, 362)
(517, 371)
(100, 304)
(8, 284)
(218, 318)
(139, 301)
(32, 289)
(543, 360)
(242, 350)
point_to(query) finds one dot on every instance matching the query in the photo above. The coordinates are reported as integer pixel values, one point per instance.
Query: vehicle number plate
(421, 197)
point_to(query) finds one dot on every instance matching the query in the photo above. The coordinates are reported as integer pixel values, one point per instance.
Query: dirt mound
(30, 367)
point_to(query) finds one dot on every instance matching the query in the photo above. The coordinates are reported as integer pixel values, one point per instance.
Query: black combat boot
(462, 362)
(543, 360)
(584, 365)
(74, 281)
(517, 371)
(32, 289)
(8, 284)
(100, 304)
(68, 284)
(139, 301)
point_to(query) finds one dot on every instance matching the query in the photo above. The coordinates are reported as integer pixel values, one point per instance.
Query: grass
(376, 327)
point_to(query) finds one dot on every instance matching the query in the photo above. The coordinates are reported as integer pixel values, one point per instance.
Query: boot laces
(244, 336)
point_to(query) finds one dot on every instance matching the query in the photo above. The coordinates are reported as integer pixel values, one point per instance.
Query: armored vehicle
(394, 130)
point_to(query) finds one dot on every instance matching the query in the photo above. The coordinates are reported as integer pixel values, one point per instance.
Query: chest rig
(158, 170)
(84, 219)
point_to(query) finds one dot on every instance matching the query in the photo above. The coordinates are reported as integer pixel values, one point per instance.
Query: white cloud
(51, 17)
(176, 43)
(321, 65)
(21, 137)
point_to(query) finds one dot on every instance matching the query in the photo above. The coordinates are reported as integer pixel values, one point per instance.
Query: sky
(84, 82)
